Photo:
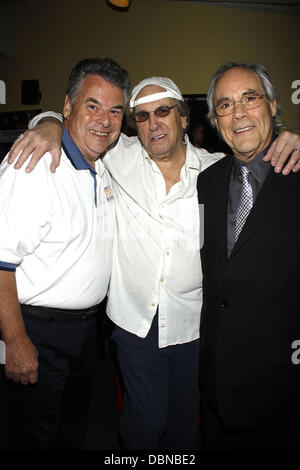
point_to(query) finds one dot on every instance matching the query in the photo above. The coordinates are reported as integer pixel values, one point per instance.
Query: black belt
(59, 314)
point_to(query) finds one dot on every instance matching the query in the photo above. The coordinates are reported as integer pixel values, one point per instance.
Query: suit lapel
(220, 208)
(266, 202)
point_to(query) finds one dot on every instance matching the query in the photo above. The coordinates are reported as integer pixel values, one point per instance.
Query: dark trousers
(217, 436)
(161, 399)
(53, 412)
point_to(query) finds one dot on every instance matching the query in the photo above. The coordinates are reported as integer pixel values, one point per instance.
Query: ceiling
(290, 7)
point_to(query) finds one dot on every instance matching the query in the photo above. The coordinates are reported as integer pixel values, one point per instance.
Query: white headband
(172, 91)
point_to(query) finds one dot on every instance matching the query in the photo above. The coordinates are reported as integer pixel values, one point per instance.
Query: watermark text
(2, 92)
(296, 93)
(296, 354)
(2, 352)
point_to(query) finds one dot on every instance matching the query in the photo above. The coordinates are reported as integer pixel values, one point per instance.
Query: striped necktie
(245, 204)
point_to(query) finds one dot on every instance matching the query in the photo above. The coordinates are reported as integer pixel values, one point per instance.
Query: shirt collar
(73, 153)
(257, 166)
(192, 156)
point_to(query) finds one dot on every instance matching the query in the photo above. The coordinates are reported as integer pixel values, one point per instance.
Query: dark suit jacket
(251, 311)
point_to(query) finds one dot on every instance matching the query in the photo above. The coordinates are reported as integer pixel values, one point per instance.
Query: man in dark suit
(250, 324)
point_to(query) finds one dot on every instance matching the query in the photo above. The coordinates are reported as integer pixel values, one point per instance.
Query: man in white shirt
(56, 243)
(155, 292)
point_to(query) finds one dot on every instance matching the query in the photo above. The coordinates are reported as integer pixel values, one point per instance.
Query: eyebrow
(93, 100)
(245, 93)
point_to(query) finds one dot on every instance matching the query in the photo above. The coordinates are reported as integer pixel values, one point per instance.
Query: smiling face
(162, 137)
(94, 120)
(247, 132)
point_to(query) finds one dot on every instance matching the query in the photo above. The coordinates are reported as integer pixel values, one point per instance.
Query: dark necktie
(245, 204)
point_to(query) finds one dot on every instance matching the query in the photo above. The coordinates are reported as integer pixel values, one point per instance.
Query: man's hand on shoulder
(285, 146)
(45, 137)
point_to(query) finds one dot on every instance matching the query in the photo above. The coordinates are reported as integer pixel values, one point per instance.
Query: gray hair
(266, 81)
(106, 68)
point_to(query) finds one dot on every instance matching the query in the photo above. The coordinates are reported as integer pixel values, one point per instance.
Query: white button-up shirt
(156, 258)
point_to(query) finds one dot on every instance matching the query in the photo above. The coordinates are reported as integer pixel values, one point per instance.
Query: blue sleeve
(7, 266)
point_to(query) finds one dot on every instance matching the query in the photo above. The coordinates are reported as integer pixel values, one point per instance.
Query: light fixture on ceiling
(119, 3)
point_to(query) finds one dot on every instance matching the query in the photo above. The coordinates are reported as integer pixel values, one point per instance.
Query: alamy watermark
(201, 229)
(2, 92)
(2, 352)
(296, 354)
(296, 94)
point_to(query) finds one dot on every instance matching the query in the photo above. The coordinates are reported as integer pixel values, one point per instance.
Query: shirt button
(161, 279)
(167, 253)
(153, 304)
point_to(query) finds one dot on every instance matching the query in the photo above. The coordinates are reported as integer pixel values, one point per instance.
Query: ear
(184, 122)
(67, 109)
(273, 108)
(217, 124)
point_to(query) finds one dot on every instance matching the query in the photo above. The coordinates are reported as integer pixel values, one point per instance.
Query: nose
(238, 110)
(153, 121)
(103, 118)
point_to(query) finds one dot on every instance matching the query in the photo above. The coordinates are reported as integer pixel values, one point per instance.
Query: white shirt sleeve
(36, 119)
(25, 210)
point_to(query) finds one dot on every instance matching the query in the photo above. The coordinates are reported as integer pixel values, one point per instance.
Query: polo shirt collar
(73, 153)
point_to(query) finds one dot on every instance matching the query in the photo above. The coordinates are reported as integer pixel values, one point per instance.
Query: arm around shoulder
(45, 137)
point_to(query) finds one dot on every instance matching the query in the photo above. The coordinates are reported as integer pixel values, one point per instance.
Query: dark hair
(184, 110)
(266, 82)
(106, 68)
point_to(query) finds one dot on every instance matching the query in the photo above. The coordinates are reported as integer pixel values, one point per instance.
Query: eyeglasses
(250, 101)
(162, 111)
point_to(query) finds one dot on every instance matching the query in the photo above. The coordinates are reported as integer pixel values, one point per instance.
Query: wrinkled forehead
(237, 81)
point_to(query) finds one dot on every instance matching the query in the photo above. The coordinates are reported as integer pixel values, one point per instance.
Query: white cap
(172, 91)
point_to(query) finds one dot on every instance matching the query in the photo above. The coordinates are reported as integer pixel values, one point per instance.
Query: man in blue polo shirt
(56, 233)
